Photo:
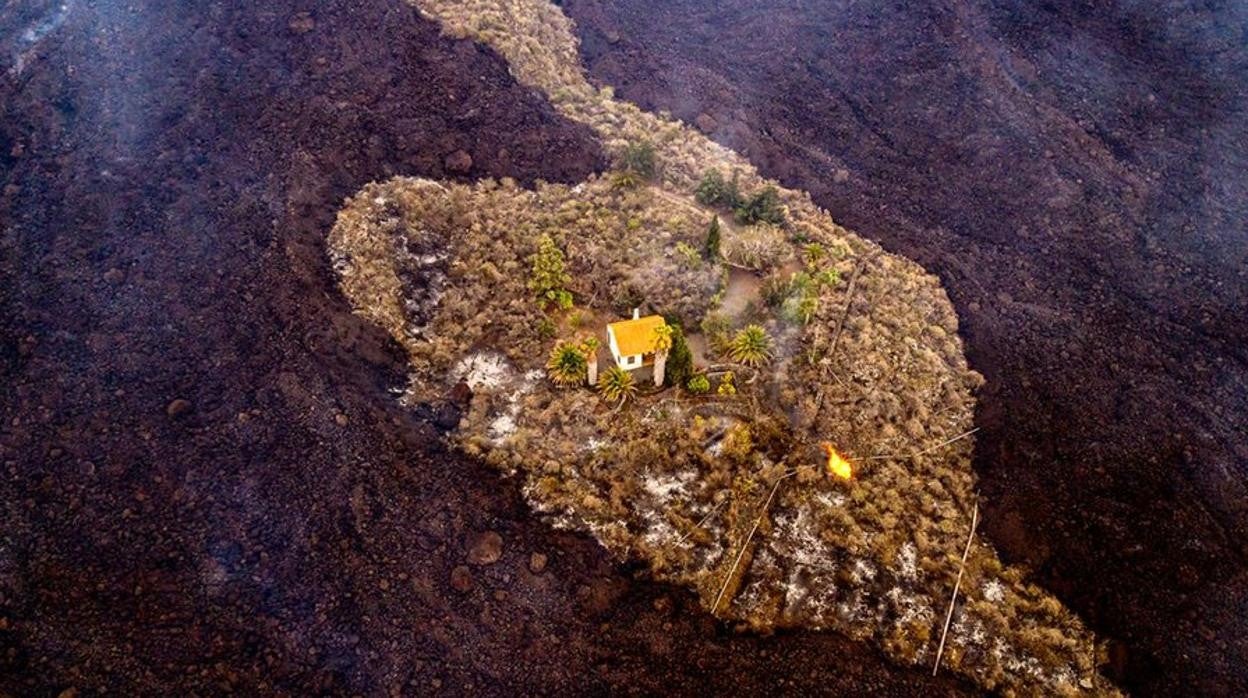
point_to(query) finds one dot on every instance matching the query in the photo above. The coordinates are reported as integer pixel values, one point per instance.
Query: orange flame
(837, 465)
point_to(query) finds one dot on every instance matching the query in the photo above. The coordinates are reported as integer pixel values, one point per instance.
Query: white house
(632, 342)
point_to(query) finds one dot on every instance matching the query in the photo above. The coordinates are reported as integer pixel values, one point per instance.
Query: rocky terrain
(207, 484)
(1075, 174)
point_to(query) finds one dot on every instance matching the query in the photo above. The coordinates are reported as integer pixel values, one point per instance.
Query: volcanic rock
(461, 579)
(485, 548)
(537, 563)
(458, 162)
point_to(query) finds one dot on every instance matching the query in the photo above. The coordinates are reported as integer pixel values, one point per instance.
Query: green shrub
(775, 289)
(617, 385)
(751, 346)
(688, 254)
(762, 207)
(699, 384)
(713, 190)
(626, 180)
(566, 365)
(546, 328)
(638, 158)
(814, 253)
(727, 385)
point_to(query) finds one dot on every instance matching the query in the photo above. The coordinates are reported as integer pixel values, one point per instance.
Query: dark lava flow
(205, 483)
(1077, 173)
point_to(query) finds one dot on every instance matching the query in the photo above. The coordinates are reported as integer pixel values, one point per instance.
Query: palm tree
(566, 365)
(662, 341)
(617, 384)
(751, 346)
(589, 348)
(661, 344)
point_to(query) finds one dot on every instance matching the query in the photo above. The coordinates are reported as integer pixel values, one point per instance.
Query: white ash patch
(592, 444)
(1015, 664)
(798, 537)
(484, 370)
(862, 571)
(659, 533)
(852, 609)
(809, 594)
(663, 490)
(908, 561)
(909, 607)
(830, 499)
(501, 427)
(664, 487)
(490, 371)
(994, 591)
(966, 631)
(1064, 680)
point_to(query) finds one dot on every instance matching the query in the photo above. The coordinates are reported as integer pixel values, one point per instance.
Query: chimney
(636, 313)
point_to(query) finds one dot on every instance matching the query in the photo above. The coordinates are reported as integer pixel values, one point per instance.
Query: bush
(626, 180)
(775, 289)
(638, 158)
(763, 207)
(566, 365)
(699, 384)
(714, 191)
(757, 247)
(727, 385)
(689, 256)
(617, 385)
(715, 326)
(814, 253)
(751, 346)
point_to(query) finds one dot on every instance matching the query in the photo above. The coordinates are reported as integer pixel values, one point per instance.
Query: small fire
(837, 465)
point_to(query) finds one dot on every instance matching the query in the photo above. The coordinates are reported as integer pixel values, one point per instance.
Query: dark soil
(1077, 173)
(207, 484)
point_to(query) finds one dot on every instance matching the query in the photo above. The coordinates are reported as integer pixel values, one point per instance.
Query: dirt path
(205, 483)
(1056, 164)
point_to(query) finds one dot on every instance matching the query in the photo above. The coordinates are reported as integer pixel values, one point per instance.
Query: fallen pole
(746, 545)
(954, 599)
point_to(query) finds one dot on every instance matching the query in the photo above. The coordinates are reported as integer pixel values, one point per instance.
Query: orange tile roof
(636, 336)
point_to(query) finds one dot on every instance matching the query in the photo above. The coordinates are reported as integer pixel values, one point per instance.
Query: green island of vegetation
(664, 355)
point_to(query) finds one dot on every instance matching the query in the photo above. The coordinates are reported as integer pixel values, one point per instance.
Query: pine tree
(679, 359)
(712, 240)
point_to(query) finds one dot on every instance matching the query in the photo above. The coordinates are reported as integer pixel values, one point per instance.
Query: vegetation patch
(789, 339)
